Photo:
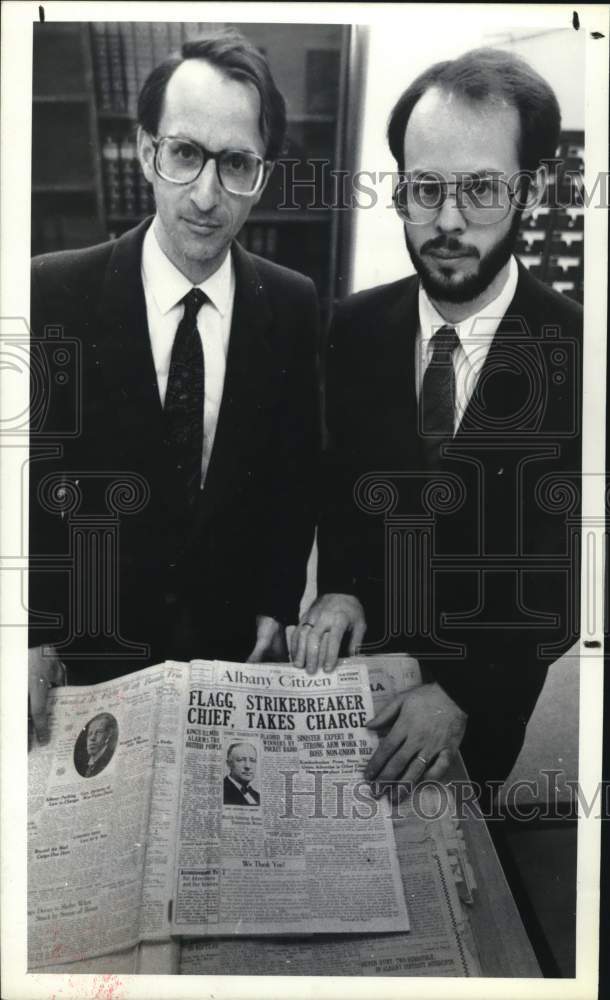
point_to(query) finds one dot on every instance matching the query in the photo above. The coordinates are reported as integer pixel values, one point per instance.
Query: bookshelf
(67, 200)
(87, 185)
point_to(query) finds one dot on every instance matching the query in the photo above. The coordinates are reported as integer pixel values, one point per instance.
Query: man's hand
(316, 641)
(45, 670)
(270, 641)
(427, 728)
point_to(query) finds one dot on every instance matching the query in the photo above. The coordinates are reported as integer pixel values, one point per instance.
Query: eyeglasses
(180, 161)
(480, 199)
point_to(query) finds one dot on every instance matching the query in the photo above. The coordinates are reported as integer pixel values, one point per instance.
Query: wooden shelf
(116, 116)
(67, 197)
(131, 220)
(291, 215)
(60, 99)
(63, 189)
(311, 119)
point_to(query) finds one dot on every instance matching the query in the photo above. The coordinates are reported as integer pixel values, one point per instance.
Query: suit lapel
(395, 370)
(506, 382)
(403, 323)
(123, 349)
(125, 357)
(484, 452)
(248, 365)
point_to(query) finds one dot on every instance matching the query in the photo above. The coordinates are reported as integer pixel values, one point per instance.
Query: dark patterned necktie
(437, 398)
(184, 399)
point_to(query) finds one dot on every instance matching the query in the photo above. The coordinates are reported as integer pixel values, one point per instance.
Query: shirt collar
(168, 286)
(244, 789)
(475, 330)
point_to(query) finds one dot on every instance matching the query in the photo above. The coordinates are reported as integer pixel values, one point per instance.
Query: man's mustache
(450, 244)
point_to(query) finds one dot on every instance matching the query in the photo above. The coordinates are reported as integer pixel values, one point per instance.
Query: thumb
(264, 634)
(258, 652)
(38, 709)
(305, 616)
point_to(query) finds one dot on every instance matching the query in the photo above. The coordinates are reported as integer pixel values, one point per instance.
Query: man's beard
(471, 287)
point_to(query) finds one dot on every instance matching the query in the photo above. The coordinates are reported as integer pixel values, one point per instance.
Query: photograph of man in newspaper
(237, 786)
(95, 746)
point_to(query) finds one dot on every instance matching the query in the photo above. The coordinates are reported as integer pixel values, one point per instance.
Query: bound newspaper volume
(207, 799)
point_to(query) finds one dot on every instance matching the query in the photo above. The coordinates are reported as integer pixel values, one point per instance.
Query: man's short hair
(107, 719)
(237, 58)
(239, 743)
(487, 75)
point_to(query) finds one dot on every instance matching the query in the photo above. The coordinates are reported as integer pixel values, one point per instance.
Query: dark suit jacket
(232, 796)
(477, 575)
(99, 434)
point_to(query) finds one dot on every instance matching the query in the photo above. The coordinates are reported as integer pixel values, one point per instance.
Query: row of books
(126, 190)
(261, 239)
(127, 194)
(125, 52)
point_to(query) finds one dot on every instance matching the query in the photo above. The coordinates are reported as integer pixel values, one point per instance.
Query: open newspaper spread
(134, 832)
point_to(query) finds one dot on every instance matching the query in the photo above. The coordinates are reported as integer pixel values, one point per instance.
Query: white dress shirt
(475, 334)
(164, 287)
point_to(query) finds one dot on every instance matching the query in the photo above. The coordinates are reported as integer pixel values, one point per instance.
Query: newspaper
(88, 826)
(130, 836)
(312, 851)
(439, 943)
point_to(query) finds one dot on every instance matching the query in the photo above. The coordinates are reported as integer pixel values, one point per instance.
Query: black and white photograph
(95, 746)
(238, 787)
(304, 325)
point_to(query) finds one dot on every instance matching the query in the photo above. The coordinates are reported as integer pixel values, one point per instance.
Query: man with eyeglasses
(453, 409)
(198, 387)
